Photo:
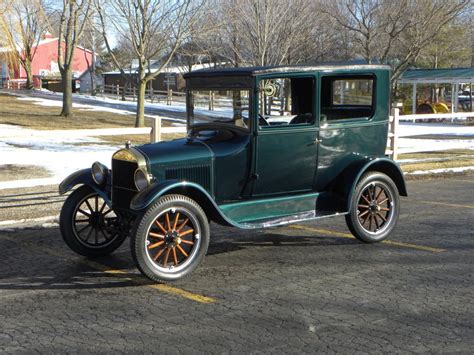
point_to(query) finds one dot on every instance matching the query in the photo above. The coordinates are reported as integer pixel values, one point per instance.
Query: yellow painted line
(443, 204)
(348, 235)
(170, 289)
(183, 293)
(120, 273)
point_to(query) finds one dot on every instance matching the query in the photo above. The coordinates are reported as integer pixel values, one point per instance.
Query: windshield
(228, 106)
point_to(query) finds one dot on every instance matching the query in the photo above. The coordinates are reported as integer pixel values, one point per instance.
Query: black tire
(171, 238)
(375, 207)
(88, 226)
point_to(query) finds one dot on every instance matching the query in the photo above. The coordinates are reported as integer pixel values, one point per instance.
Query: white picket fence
(395, 118)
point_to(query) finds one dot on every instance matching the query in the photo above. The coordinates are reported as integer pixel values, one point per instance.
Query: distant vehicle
(265, 147)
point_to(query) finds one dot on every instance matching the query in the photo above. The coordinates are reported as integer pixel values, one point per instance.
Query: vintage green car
(265, 147)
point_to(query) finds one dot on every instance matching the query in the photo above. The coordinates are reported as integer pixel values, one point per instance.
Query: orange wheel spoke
(168, 223)
(378, 195)
(182, 250)
(365, 198)
(376, 222)
(182, 225)
(175, 257)
(152, 246)
(383, 201)
(189, 231)
(384, 209)
(159, 254)
(160, 226)
(176, 221)
(167, 256)
(363, 213)
(363, 206)
(370, 222)
(381, 216)
(154, 235)
(187, 242)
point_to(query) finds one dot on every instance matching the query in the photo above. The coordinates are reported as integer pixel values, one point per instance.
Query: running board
(301, 217)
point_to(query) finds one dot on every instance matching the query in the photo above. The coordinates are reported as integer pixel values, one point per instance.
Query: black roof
(253, 71)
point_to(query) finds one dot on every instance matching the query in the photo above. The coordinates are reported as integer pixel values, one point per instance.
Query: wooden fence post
(118, 92)
(155, 134)
(394, 131)
(169, 99)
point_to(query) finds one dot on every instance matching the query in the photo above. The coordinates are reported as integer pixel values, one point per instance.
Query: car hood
(178, 152)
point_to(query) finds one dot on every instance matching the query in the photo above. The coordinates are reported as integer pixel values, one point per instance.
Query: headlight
(142, 179)
(99, 173)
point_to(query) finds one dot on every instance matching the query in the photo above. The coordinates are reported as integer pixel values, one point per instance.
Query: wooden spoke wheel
(94, 223)
(171, 239)
(89, 226)
(375, 208)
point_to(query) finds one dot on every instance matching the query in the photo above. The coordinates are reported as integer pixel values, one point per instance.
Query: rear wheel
(171, 239)
(89, 226)
(374, 208)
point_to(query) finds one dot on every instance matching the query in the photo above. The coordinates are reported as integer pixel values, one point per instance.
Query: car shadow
(41, 261)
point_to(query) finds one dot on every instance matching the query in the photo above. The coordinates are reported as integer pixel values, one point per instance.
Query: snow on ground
(60, 159)
(440, 171)
(54, 103)
(445, 129)
(411, 145)
(59, 152)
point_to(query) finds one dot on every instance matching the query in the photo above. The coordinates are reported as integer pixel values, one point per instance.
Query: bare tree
(155, 29)
(23, 23)
(393, 32)
(269, 32)
(71, 28)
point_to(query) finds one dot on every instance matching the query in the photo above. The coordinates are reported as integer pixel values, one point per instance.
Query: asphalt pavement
(304, 288)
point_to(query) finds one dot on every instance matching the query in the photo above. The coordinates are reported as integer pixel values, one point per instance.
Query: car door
(286, 136)
(353, 121)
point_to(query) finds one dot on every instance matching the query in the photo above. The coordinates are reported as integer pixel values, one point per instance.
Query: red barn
(45, 67)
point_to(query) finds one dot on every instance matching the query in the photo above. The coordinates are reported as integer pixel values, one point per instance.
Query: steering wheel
(261, 121)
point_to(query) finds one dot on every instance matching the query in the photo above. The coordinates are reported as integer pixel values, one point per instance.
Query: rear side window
(344, 97)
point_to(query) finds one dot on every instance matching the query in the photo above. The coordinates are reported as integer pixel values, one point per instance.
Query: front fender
(84, 177)
(192, 190)
(153, 192)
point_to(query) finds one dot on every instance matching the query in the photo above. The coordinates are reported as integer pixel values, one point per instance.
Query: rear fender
(385, 166)
(84, 177)
(346, 183)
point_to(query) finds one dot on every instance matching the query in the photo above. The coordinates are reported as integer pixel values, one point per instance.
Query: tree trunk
(66, 77)
(140, 117)
(29, 75)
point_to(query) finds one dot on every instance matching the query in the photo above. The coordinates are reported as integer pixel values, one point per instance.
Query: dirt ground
(19, 172)
(29, 115)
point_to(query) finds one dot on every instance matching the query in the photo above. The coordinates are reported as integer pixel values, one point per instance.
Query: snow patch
(440, 171)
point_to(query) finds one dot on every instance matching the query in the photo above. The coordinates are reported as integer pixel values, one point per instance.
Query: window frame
(349, 76)
(312, 76)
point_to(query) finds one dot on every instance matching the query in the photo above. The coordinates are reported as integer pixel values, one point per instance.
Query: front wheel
(171, 239)
(374, 209)
(89, 226)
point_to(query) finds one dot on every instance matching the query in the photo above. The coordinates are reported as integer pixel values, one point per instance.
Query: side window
(344, 97)
(286, 102)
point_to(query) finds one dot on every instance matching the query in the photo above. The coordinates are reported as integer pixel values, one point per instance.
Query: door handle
(317, 141)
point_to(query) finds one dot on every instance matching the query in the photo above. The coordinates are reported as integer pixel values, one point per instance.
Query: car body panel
(269, 176)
